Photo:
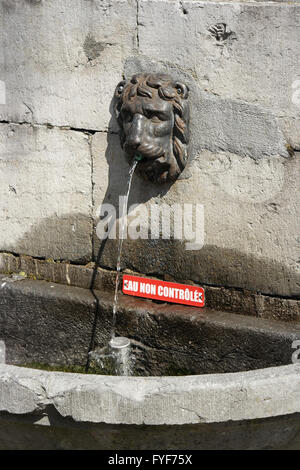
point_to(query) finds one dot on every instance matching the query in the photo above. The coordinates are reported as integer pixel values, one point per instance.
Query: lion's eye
(152, 115)
(155, 118)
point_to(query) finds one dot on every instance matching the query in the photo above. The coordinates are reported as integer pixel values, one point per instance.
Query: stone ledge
(229, 299)
(153, 400)
(45, 190)
(45, 324)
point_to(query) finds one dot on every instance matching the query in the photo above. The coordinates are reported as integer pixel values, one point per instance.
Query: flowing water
(121, 239)
(116, 356)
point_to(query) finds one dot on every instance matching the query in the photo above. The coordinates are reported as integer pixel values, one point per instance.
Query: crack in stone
(39, 399)
(137, 25)
(92, 194)
(30, 110)
(200, 418)
(62, 127)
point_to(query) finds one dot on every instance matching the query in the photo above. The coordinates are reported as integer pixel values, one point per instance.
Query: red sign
(165, 291)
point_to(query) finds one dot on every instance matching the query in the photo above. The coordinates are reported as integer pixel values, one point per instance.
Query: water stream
(121, 239)
(116, 357)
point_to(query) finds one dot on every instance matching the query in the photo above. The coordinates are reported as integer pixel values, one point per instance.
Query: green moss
(63, 368)
(173, 370)
(290, 150)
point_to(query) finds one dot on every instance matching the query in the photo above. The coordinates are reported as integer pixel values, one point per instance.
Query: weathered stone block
(62, 65)
(246, 51)
(64, 71)
(221, 124)
(250, 210)
(45, 186)
(50, 324)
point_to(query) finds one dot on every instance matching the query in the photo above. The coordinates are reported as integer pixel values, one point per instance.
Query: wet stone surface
(55, 325)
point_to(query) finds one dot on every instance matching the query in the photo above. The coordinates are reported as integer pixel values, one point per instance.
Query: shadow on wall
(118, 168)
(73, 238)
(118, 173)
(211, 265)
(60, 238)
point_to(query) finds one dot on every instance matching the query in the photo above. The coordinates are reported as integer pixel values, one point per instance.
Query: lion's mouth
(153, 164)
(145, 152)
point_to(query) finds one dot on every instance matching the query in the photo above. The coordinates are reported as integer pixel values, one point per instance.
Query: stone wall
(60, 157)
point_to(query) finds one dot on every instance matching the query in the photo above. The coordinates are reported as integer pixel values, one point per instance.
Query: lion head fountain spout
(153, 114)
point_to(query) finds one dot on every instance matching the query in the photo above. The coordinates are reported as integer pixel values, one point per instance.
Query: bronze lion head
(153, 114)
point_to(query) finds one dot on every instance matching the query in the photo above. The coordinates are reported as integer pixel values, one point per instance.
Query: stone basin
(205, 379)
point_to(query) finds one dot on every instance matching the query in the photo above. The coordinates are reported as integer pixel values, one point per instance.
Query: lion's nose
(136, 130)
(133, 143)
